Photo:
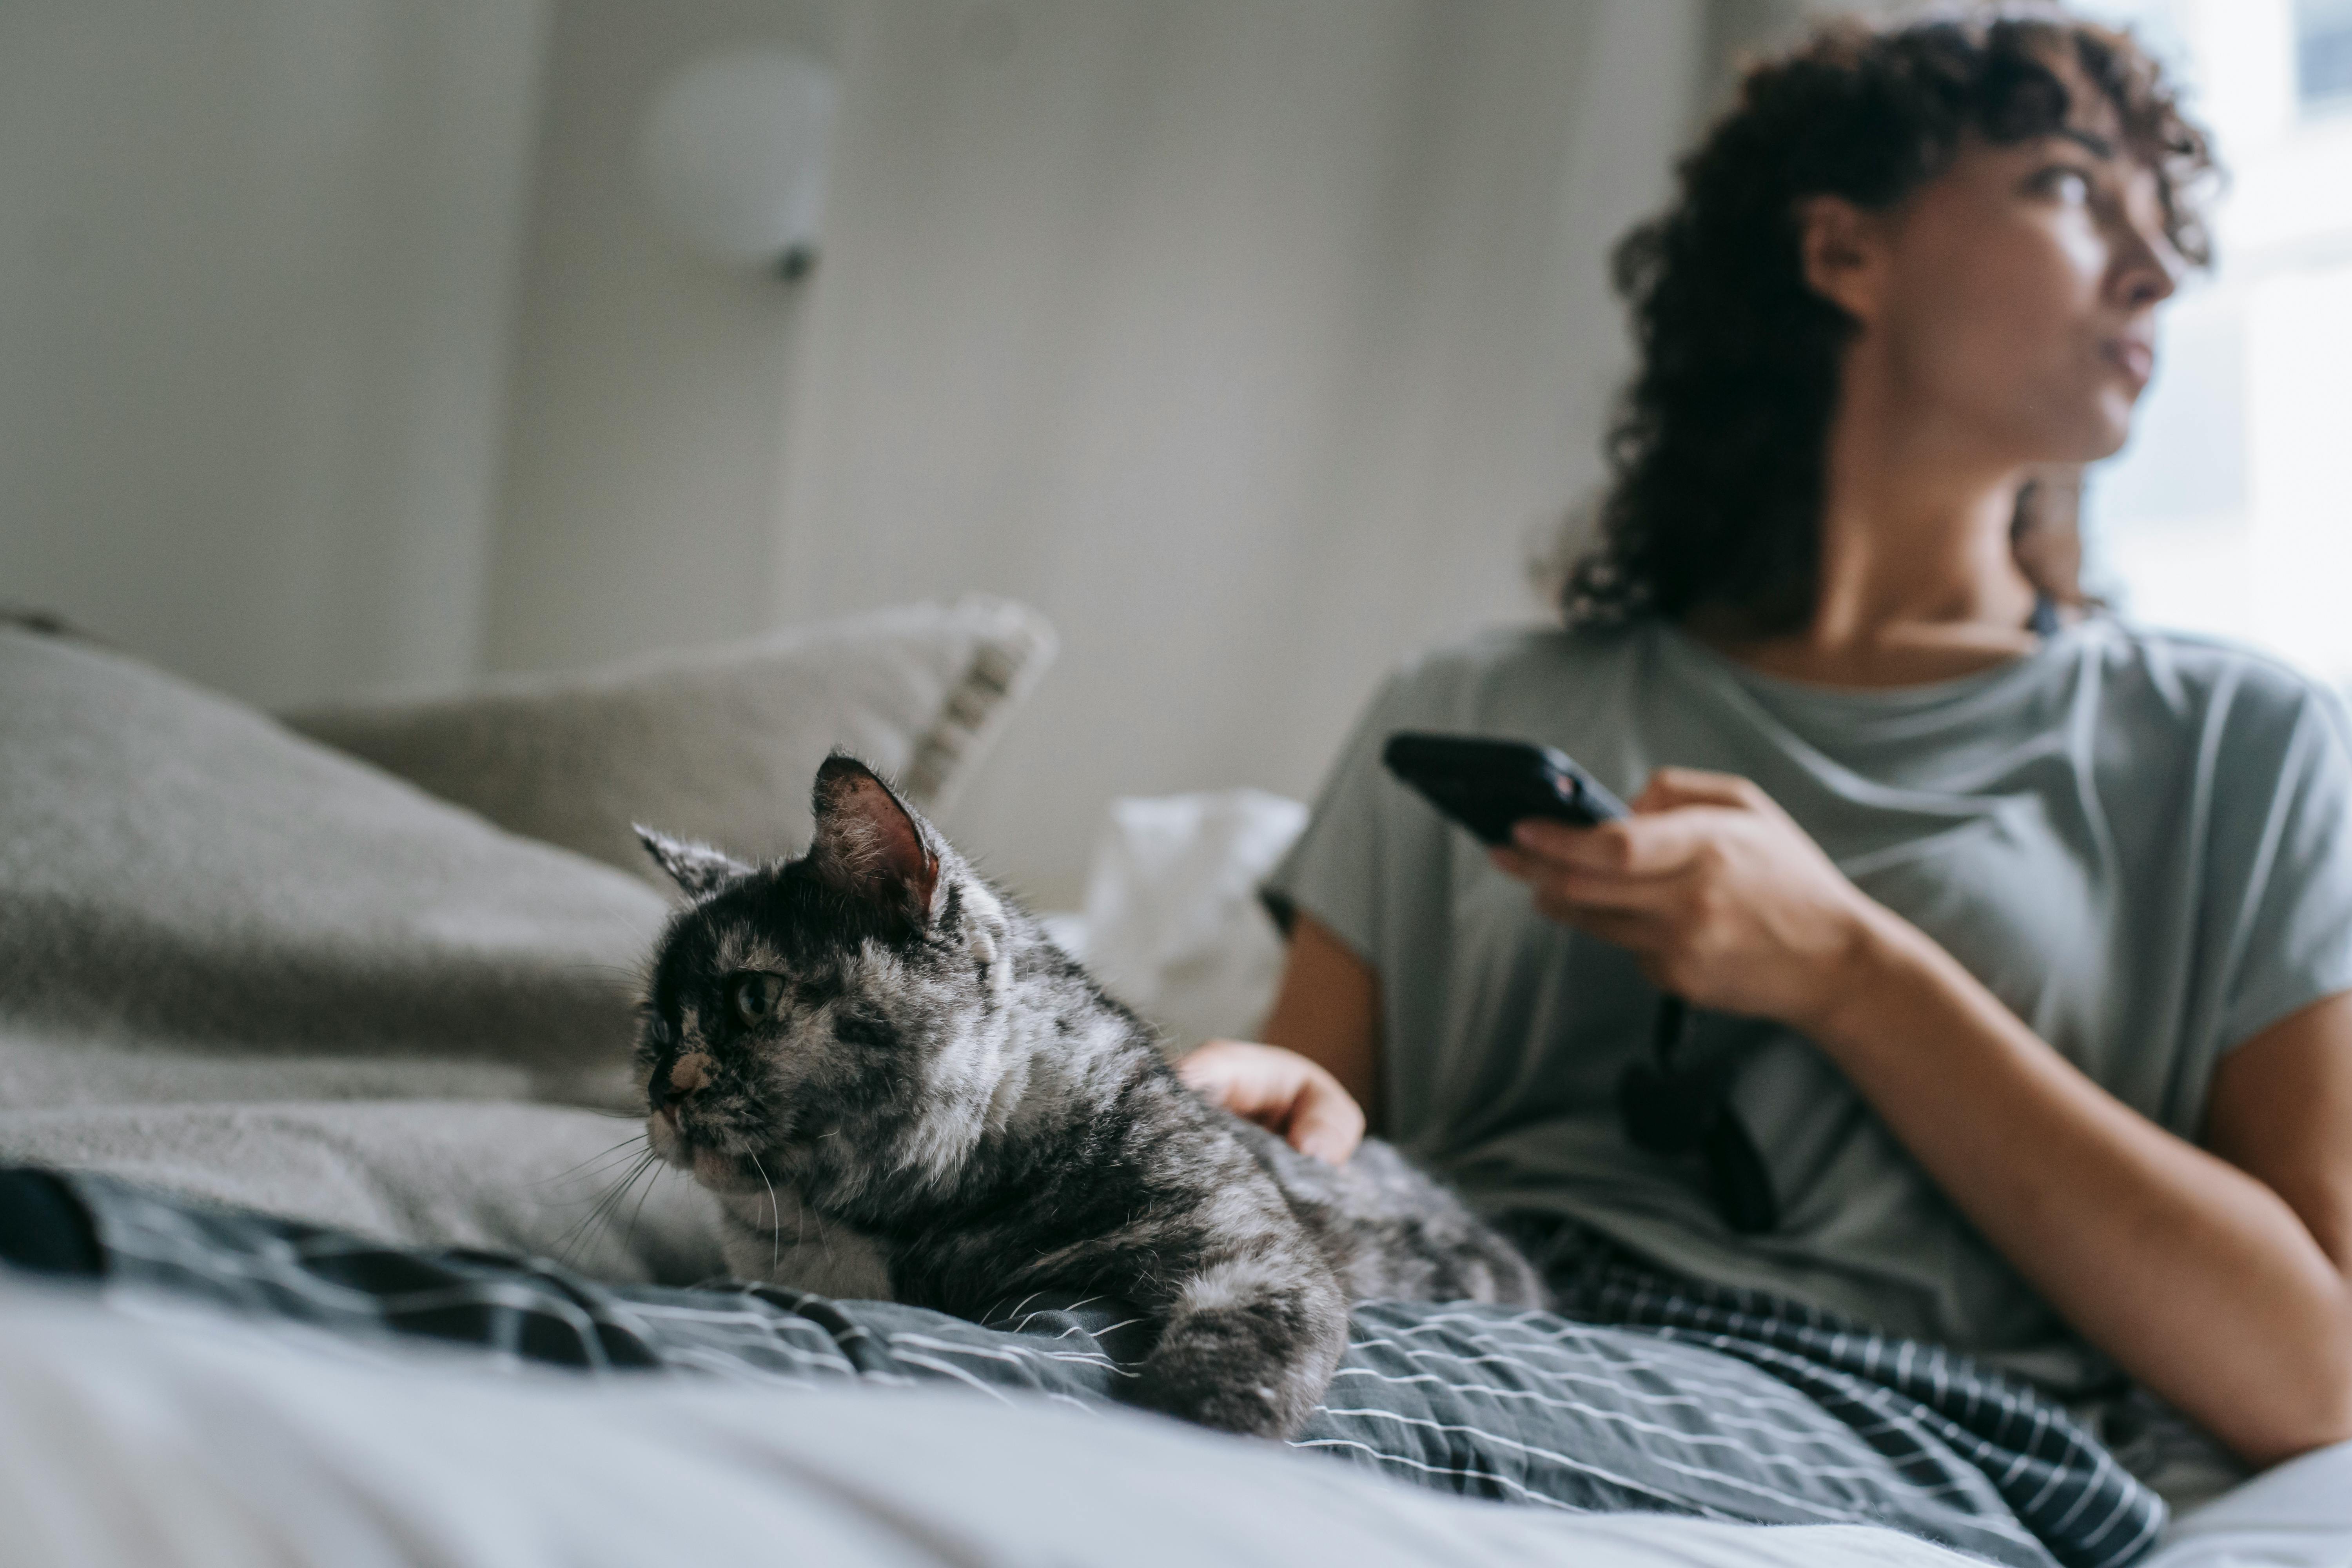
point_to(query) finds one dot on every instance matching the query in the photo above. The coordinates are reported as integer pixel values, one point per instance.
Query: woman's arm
(2220, 1281)
(1329, 1011)
(1319, 1071)
(2199, 1278)
(2280, 1108)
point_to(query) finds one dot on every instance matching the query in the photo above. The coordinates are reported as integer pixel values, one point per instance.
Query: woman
(2025, 936)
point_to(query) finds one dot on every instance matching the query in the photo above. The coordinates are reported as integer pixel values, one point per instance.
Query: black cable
(1670, 1109)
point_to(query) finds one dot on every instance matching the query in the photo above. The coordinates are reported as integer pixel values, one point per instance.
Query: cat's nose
(685, 1075)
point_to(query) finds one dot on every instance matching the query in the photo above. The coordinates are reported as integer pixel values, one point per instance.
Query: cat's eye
(753, 997)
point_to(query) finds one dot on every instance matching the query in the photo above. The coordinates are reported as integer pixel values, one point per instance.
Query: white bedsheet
(139, 1436)
(2295, 1515)
(127, 1444)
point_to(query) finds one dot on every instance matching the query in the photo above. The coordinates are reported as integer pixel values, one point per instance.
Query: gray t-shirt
(2133, 839)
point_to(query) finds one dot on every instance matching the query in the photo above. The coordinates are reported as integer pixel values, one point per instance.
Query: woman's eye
(753, 997)
(2067, 184)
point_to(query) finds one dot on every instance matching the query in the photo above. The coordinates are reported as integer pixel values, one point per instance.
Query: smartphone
(1487, 786)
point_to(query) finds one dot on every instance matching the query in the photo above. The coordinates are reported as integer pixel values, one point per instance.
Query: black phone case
(1487, 786)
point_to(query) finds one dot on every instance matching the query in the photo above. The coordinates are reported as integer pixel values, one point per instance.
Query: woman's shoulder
(2217, 702)
(2193, 672)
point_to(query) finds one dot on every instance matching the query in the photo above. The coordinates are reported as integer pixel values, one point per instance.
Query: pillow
(717, 744)
(178, 873)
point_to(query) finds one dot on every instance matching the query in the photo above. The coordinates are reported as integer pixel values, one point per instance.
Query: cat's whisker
(653, 1178)
(598, 1194)
(618, 1162)
(596, 1159)
(775, 1219)
(609, 1200)
(578, 1235)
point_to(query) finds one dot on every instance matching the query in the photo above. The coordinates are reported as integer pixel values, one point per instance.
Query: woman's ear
(1843, 252)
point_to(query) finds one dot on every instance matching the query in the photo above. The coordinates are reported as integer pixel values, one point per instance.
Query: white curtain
(1253, 343)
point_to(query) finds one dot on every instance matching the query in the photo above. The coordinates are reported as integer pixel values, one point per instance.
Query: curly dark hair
(1716, 455)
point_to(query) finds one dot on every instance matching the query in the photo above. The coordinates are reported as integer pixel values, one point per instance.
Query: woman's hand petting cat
(1280, 1090)
(1723, 898)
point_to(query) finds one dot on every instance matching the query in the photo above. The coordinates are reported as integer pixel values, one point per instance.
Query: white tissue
(1173, 925)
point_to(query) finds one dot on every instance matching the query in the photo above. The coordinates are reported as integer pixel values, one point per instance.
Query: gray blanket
(181, 876)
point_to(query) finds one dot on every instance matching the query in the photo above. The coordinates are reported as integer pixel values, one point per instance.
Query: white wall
(641, 484)
(1251, 343)
(255, 275)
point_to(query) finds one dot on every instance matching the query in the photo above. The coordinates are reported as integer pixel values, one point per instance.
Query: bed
(370, 970)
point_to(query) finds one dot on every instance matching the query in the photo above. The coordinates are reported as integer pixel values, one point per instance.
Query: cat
(901, 1088)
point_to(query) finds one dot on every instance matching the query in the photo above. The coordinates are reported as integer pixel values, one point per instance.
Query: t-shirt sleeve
(2292, 934)
(1338, 870)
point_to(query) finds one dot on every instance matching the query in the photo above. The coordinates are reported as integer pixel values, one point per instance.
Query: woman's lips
(2134, 358)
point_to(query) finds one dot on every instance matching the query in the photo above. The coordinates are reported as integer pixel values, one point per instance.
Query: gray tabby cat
(901, 1088)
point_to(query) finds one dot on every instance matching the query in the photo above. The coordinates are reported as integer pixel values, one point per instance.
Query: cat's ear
(869, 844)
(697, 868)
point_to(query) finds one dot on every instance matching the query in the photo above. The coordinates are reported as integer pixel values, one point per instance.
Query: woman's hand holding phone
(1721, 897)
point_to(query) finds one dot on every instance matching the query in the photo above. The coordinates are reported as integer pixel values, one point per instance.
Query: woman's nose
(2147, 269)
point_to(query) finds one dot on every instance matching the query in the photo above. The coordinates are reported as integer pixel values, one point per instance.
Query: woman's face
(2015, 295)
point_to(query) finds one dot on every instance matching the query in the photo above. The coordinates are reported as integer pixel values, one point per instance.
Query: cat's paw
(1251, 1409)
(1248, 1353)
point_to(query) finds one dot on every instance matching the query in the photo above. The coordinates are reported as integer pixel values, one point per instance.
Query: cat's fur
(941, 1108)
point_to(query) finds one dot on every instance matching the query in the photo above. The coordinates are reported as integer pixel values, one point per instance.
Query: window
(2323, 53)
(2231, 511)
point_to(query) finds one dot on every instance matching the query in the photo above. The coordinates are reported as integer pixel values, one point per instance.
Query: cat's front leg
(1250, 1340)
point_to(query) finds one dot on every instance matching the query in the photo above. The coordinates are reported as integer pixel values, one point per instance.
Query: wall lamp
(732, 153)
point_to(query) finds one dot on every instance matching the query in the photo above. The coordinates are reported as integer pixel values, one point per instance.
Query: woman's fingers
(1556, 885)
(1675, 817)
(1657, 845)
(1638, 933)
(1672, 787)
(1231, 1074)
(1280, 1090)
(1603, 849)
(1715, 890)
(1522, 864)
(1325, 1120)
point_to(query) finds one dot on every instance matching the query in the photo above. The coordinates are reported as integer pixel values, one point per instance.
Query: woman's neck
(1917, 580)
